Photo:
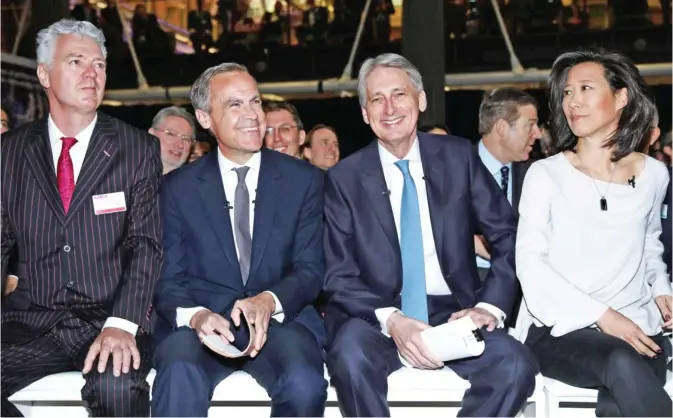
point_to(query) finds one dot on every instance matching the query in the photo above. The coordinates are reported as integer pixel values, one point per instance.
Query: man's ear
(43, 76)
(365, 117)
(302, 137)
(422, 101)
(203, 118)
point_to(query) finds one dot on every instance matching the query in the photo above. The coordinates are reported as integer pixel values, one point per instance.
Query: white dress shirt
(230, 181)
(77, 153)
(574, 261)
(434, 279)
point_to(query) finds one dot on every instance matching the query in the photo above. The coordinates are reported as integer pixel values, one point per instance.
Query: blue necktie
(504, 178)
(414, 295)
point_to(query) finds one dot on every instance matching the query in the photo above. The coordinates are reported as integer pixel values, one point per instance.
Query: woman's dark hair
(635, 121)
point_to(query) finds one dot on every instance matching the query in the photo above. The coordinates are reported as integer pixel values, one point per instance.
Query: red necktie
(65, 174)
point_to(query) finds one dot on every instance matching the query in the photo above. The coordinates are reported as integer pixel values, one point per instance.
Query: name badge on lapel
(109, 203)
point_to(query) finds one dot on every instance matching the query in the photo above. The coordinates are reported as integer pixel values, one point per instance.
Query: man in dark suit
(508, 124)
(80, 215)
(242, 238)
(400, 255)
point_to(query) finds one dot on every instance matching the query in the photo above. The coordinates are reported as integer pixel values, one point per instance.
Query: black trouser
(629, 384)
(63, 349)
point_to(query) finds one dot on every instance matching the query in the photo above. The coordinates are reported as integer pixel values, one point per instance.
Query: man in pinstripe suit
(80, 215)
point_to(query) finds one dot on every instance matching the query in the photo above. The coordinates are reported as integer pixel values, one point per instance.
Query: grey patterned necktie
(242, 223)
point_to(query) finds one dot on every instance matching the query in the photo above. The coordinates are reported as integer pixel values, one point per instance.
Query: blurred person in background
(436, 129)
(176, 130)
(199, 149)
(508, 123)
(5, 120)
(284, 129)
(321, 147)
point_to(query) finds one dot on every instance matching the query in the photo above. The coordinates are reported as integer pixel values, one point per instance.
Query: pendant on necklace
(604, 204)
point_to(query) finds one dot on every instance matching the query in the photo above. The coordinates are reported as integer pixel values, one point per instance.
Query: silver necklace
(603, 201)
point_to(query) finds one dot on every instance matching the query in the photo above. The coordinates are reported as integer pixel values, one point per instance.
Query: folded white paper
(453, 340)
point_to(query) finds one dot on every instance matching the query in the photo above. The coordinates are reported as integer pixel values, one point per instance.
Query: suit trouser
(289, 367)
(629, 384)
(361, 358)
(64, 348)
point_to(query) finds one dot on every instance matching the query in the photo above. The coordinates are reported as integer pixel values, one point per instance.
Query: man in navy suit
(399, 253)
(243, 231)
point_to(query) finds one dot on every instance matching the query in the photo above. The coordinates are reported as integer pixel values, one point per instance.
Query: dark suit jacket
(666, 227)
(93, 265)
(201, 267)
(364, 268)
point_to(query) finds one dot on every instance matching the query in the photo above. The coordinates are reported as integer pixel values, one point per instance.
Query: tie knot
(68, 142)
(504, 171)
(241, 172)
(403, 165)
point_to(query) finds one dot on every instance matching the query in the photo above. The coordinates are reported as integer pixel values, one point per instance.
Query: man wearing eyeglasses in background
(176, 130)
(284, 130)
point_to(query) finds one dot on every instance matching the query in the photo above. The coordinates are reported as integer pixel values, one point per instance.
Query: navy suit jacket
(201, 266)
(364, 267)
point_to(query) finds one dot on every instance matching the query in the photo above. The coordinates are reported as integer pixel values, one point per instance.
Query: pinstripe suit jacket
(94, 266)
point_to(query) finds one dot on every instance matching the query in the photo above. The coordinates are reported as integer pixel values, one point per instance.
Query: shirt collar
(226, 165)
(387, 158)
(491, 163)
(83, 138)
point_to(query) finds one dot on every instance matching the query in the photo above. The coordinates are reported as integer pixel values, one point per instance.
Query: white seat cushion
(404, 385)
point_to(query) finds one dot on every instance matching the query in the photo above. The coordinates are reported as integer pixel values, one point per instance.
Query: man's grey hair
(387, 60)
(200, 92)
(178, 112)
(46, 38)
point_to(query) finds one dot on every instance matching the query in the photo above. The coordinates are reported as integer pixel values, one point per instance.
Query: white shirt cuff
(184, 315)
(382, 314)
(13, 275)
(123, 324)
(495, 311)
(278, 313)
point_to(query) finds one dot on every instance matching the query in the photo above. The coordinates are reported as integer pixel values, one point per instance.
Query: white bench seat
(411, 392)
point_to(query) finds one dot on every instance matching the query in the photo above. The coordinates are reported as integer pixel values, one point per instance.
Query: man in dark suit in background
(242, 238)
(80, 214)
(508, 124)
(399, 251)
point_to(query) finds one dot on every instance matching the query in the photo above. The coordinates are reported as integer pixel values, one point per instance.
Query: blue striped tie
(414, 295)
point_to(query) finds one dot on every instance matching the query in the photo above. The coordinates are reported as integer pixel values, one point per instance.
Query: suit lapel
(100, 153)
(266, 202)
(374, 183)
(433, 167)
(39, 156)
(211, 191)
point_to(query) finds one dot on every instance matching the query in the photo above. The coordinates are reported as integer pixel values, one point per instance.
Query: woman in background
(588, 255)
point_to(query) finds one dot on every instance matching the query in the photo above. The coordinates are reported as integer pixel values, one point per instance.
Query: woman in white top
(596, 292)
